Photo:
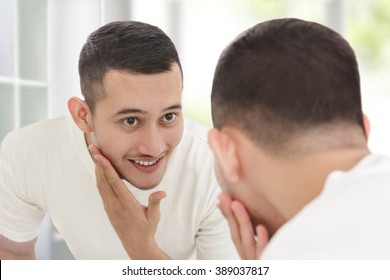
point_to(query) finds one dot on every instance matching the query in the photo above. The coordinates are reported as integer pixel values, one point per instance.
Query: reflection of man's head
(131, 78)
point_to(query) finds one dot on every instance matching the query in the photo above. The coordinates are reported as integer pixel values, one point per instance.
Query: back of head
(285, 76)
(128, 46)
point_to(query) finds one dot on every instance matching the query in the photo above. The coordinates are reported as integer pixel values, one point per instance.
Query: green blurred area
(199, 110)
(367, 26)
(369, 31)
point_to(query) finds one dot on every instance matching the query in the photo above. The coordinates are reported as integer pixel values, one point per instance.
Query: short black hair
(283, 76)
(130, 46)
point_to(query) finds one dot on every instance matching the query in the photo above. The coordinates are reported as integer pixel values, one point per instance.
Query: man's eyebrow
(173, 107)
(126, 111)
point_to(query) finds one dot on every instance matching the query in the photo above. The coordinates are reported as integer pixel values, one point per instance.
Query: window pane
(6, 38)
(33, 104)
(32, 39)
(6, 109)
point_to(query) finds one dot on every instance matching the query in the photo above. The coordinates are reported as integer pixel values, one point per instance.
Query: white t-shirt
(46, 168)
(350, 219)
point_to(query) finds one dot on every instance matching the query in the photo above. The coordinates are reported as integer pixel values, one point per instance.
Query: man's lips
(145, 162)
(147, 166)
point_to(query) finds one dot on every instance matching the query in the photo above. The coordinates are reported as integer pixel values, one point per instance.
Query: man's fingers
(100, 160)
(262, 239)
(94, 150)
(154, 206)
(246, 229)
(109, 178)
(102, 182)
(225, 207)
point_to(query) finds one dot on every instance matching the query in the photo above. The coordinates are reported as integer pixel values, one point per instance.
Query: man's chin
(140, 186)
(145, 188)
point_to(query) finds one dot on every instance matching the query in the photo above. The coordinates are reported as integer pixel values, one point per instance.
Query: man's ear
(80, 113)
(225, 152)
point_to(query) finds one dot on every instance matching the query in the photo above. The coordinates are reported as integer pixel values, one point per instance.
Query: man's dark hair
(284, 76)
(128, 46)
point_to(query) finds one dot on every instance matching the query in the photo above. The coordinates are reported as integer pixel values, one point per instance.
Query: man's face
(138, 123)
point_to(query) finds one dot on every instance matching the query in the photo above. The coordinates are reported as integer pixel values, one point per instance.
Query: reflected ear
(225, 153)
(367, 125)
(80, 113)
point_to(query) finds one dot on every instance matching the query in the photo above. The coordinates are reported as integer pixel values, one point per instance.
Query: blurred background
(40, 41)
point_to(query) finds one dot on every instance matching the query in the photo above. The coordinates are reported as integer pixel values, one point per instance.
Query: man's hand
(248, 245)
(134, 223)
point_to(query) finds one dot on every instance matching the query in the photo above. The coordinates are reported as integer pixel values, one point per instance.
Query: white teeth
(145, 163)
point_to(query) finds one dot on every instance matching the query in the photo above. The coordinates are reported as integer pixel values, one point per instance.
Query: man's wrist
(146, 251)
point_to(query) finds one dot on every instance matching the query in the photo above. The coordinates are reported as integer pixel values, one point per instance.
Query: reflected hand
(134, 223)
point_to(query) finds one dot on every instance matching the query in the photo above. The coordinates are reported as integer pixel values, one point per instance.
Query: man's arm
(134, 223)
(11, 250)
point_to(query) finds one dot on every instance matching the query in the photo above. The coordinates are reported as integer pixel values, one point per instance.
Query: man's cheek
(108, 151)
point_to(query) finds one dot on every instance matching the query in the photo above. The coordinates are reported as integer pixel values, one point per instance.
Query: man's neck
(309, 174)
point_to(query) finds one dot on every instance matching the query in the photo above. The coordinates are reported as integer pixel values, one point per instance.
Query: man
(132, 120)
(291, 150)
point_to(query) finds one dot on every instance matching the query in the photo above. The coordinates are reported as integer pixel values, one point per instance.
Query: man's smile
(147, 166)
(145, 163)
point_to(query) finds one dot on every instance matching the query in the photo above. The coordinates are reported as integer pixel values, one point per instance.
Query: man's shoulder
(330, 226)
(193, 153)
(37, 133)
(195, 132)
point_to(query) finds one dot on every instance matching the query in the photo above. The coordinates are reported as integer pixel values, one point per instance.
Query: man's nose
(151, 141)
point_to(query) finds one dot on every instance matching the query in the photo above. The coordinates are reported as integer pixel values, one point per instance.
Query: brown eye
(170, 117)
(131, 121)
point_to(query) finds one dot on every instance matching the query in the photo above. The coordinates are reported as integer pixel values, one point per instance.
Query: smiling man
(137, 134)
(144, 150)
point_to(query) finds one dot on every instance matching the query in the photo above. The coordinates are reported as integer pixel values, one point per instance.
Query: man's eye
(170, 117)
(131, 121)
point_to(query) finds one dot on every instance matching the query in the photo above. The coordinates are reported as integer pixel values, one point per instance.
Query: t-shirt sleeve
(20, 218)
